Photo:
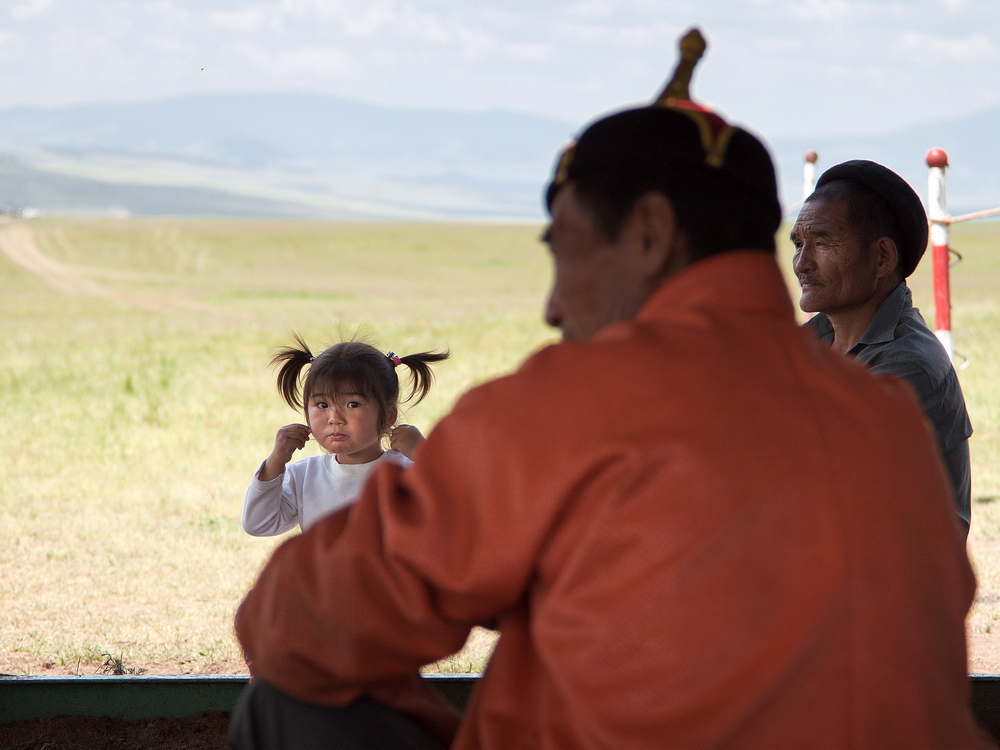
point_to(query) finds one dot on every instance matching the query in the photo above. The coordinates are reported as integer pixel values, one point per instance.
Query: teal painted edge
(149, 696)
(173, 696)
(122, 697)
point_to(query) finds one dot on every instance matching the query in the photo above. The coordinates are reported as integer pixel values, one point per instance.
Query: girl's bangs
(343, 376)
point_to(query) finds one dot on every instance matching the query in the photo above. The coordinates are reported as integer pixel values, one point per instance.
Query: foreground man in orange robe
(694, 525)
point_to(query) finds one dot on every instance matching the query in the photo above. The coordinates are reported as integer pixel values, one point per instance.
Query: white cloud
(30, 9)
(849, 64)
(305, 61)
(591, 9)
(239, 20)
(630, 37)
(780, 44)
(930, 49)
(837, 11)
(536, 53)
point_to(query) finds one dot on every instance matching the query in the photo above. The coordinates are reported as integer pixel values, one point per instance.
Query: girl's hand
(290, 438)
(406, 439)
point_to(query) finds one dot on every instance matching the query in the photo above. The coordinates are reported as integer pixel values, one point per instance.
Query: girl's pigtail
(421, 373)
(292, 360)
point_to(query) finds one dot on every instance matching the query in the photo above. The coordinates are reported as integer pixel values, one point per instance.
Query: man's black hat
(898, 195)
(673, 134)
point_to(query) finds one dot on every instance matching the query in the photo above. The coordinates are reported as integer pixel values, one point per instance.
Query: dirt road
(19, 244)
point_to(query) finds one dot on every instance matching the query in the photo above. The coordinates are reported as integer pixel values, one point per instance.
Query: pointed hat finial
(692, 47)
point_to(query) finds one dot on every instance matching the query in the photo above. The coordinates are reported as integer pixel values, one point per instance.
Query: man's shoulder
(565, 377)
(899, 336)
(913, 347)
(545, 374)
(917, 355)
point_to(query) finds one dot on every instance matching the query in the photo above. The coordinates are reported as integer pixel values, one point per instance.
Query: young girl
(350, 398)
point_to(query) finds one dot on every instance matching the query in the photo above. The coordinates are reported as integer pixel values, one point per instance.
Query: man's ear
(656, 224)
(887, 256)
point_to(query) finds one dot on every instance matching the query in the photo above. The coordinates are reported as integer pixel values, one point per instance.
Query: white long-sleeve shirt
(308, 490)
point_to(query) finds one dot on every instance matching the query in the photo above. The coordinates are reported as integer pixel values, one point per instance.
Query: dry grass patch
(137, 432)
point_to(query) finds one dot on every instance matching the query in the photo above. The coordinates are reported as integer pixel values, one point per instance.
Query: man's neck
(850, 324)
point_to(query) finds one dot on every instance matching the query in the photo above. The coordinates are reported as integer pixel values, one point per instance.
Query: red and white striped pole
(937, 212)
(809, 174)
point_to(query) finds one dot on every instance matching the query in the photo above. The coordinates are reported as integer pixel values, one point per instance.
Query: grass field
(135, 403)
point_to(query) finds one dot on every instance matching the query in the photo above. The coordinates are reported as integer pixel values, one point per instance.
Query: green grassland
(130, 434)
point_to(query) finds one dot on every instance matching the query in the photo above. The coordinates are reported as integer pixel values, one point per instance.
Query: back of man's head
(719, 178)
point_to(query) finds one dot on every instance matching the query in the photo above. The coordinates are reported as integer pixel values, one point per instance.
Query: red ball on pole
(937, 211)
(937, 157)
(811, 156)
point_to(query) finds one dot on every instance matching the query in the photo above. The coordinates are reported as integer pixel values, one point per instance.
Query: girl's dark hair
(357, 364)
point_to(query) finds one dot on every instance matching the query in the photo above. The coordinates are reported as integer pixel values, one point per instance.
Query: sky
(782, 67)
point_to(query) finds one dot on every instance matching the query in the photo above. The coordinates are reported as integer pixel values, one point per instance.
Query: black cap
(672, 133)
(898, 195)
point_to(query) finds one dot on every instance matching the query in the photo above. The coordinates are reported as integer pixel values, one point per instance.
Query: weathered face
(597, 281)
(836, 271)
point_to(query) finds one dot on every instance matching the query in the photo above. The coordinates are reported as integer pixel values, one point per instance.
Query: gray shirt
(898, 342)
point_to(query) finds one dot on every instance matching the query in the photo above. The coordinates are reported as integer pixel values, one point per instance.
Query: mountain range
(302, 155)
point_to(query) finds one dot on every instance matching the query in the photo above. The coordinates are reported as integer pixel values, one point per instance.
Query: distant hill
(292, 154)
(971, 142)
(306, 154)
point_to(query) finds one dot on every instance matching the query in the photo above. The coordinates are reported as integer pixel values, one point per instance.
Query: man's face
(596, 281)
(835, 270)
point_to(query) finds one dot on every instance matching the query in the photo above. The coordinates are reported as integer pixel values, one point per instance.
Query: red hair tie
(393, 358)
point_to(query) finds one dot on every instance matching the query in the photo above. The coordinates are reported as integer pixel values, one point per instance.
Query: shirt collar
(881, 328)
(883, 325)
(821, 327)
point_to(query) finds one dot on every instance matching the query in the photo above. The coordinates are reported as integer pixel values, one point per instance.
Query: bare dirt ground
(984, 653)
(982, 631)
(205, 731)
